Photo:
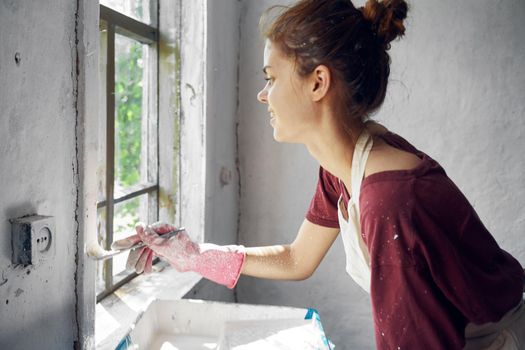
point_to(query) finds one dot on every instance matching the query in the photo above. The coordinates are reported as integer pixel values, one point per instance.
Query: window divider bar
(132, 192)
(115, 286)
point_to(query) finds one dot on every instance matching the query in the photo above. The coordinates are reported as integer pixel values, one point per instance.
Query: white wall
(456, 92)
(38, 169)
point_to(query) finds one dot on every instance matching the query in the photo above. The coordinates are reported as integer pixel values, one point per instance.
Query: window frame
(117, 23)
(183, 75)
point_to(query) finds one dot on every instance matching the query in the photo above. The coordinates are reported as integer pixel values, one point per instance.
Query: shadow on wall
(13, 212)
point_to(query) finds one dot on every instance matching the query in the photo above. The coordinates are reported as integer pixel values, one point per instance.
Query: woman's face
(286, 94)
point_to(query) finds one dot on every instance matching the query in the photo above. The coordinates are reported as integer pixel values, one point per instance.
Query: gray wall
(222, 194)
(456, 92)
(38, 172)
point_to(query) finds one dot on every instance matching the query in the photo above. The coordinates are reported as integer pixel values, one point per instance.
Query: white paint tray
(206, 325)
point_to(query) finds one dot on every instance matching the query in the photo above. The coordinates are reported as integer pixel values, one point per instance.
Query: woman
(436, 276)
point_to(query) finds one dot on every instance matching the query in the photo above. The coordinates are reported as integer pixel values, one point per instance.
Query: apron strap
(361, 151)
(357, 258)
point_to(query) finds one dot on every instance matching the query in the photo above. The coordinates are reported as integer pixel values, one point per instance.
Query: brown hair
(352, 42)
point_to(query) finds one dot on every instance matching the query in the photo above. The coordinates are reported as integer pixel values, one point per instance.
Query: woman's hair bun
(386, 18)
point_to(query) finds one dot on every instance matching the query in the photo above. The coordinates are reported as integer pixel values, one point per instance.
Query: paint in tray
(207, 325)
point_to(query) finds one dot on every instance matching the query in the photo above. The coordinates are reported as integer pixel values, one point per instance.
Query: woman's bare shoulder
(384, 157)
(375, 128)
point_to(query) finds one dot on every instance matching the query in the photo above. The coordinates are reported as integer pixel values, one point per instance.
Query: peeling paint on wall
(37, 141)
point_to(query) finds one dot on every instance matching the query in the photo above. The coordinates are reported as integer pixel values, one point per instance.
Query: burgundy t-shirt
(434, 266)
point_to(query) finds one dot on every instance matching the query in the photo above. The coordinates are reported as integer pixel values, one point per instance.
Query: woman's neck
(333, 148)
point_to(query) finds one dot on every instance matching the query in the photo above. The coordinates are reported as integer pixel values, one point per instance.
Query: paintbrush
(141, 244)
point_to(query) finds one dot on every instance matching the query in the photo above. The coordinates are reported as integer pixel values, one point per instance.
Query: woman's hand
(141, 260)
(221, 264)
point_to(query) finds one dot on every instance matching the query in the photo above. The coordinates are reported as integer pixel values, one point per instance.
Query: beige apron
(507, 334)
(357, 259)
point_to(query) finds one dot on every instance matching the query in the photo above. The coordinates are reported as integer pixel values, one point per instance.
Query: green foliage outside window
(128, 98)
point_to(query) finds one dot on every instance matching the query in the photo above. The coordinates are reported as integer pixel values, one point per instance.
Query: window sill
(115, 315)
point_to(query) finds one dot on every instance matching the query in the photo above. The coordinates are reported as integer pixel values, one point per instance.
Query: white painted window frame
(182, 108)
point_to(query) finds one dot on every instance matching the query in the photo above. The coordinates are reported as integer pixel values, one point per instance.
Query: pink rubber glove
(220, 264)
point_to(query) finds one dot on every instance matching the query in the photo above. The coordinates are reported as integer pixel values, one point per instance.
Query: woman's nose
(262, 96)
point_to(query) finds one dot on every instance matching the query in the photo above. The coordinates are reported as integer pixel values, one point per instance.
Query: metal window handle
(112, 253)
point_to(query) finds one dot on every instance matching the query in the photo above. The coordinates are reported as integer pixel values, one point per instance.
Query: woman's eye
(269, 80)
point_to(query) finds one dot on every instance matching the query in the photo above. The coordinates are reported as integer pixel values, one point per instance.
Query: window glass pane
(127, 215)
(130, 113)
(141, 10)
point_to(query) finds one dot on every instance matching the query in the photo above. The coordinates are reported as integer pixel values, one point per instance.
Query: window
(170, 185)
(128, 165)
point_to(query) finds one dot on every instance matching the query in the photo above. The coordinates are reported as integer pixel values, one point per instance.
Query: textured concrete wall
(37, 149)
(456, 92)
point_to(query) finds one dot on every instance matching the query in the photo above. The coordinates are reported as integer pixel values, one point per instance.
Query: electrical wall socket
(32, 239)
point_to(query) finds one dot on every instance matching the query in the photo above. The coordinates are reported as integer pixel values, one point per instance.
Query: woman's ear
(320, 82)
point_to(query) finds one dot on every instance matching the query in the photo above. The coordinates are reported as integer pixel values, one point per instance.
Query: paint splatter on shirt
(434, 265)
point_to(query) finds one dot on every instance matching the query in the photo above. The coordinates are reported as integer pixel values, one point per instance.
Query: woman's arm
(296, 261)
(224, 264)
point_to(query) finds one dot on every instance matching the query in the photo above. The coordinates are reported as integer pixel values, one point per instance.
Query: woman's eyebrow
(265, 69)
